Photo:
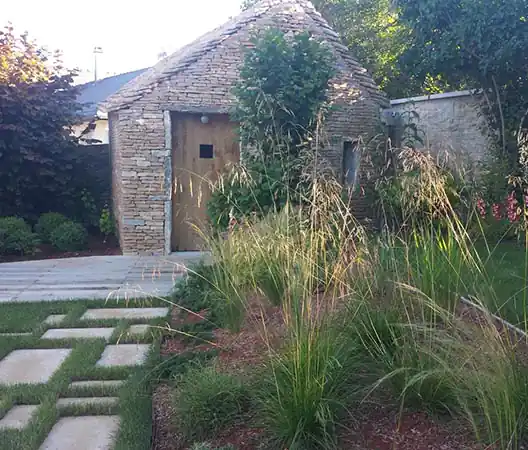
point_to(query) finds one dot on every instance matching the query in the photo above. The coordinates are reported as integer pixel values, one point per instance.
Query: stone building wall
(449, 122)
(201, 82)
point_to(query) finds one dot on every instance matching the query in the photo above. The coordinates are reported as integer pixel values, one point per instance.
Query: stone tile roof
(303, 15)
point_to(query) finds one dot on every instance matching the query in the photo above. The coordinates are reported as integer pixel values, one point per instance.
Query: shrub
(16, 237)
(106, 223)
(311, 383)
(207, 400)
(48, 223)
(69, 237)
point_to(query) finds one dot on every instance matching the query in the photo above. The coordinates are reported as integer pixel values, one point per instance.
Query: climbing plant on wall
(280, 97)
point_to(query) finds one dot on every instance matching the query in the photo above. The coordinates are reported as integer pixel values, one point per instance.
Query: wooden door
(200, 151)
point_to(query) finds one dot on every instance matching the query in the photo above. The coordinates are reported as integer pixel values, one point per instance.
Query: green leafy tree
(37, 109)
(282, 89)
(474, 44)
(375, 36)
(280, 99)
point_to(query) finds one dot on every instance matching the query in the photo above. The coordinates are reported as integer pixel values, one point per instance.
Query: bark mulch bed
(96, 246)
(371, 427)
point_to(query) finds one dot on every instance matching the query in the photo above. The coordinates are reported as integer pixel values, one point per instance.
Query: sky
(132, 33)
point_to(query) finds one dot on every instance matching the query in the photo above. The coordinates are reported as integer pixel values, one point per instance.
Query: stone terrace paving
(36, 366)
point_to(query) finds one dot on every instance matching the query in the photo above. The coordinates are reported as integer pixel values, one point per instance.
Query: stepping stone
(18, 417)
(14, 334)
(83, 433)
(124, 313)
(78, 333)
(54, 319)
(138, 330)
(63, 403)
(110, 384)
(31, 366)
(124, 355)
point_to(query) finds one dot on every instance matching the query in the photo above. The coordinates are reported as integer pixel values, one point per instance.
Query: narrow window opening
(206, 151)
(350, 162)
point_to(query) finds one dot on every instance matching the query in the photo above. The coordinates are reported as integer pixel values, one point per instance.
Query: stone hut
(170, 129)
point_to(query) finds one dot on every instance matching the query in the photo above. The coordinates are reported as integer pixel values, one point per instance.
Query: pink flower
(496, 211)
(481, 207)
(511, 207)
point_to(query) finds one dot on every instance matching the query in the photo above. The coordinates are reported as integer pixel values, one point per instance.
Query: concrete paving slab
(138, 330)
(102, 384)
(54, 319)
(78, 333)
(124, 355)
(18, 417)
(34, 366)
(83, 433)
(64, 403)
(14, 334)
(124, 313)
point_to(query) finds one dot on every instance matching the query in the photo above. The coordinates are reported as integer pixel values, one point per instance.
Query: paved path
(91, 277)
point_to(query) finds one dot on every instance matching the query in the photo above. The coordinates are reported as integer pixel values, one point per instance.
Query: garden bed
(96, 246)
(375, 424)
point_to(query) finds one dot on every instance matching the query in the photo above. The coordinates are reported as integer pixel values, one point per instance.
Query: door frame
(167, 184)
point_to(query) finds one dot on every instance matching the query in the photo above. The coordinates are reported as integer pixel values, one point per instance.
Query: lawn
(134, 405)
(506, 265)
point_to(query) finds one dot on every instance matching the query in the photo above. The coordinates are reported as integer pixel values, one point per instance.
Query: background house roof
(301, 13)
(95, 92)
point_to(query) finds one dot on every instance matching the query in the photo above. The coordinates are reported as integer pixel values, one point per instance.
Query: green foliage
(280, 97)
(16, 237)
(106, 222)
(47, 223)
(207, 401)
(283, 86)
(248, 192)
(474, 47)
(36, 162)
(69, 237)
(310, 383)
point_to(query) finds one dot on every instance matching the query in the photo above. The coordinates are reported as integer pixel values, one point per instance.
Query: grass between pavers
(134, 396)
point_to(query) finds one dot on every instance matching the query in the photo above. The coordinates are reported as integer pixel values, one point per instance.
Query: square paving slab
(54, 319)
(102, 384)
(138, 330)
(31, 366)
(83, 433)
(124, 313)
(18, 417)
(87, 401)
(78, 333)
(124, 355)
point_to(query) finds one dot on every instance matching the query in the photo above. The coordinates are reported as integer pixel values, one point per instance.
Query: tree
(282, 88)
(375, 37)
(280, 98)
(477, 45)
(37, 109)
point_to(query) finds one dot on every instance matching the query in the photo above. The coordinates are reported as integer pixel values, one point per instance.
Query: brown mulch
(164, 434)
(376, 427)
(261, 332)
(96, 246)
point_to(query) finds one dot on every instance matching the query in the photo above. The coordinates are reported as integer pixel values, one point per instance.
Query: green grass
(207, 400)
(134, 396)
(506, 265)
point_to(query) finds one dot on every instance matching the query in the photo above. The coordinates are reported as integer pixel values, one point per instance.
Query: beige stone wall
(142, 151)
(448, 122)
